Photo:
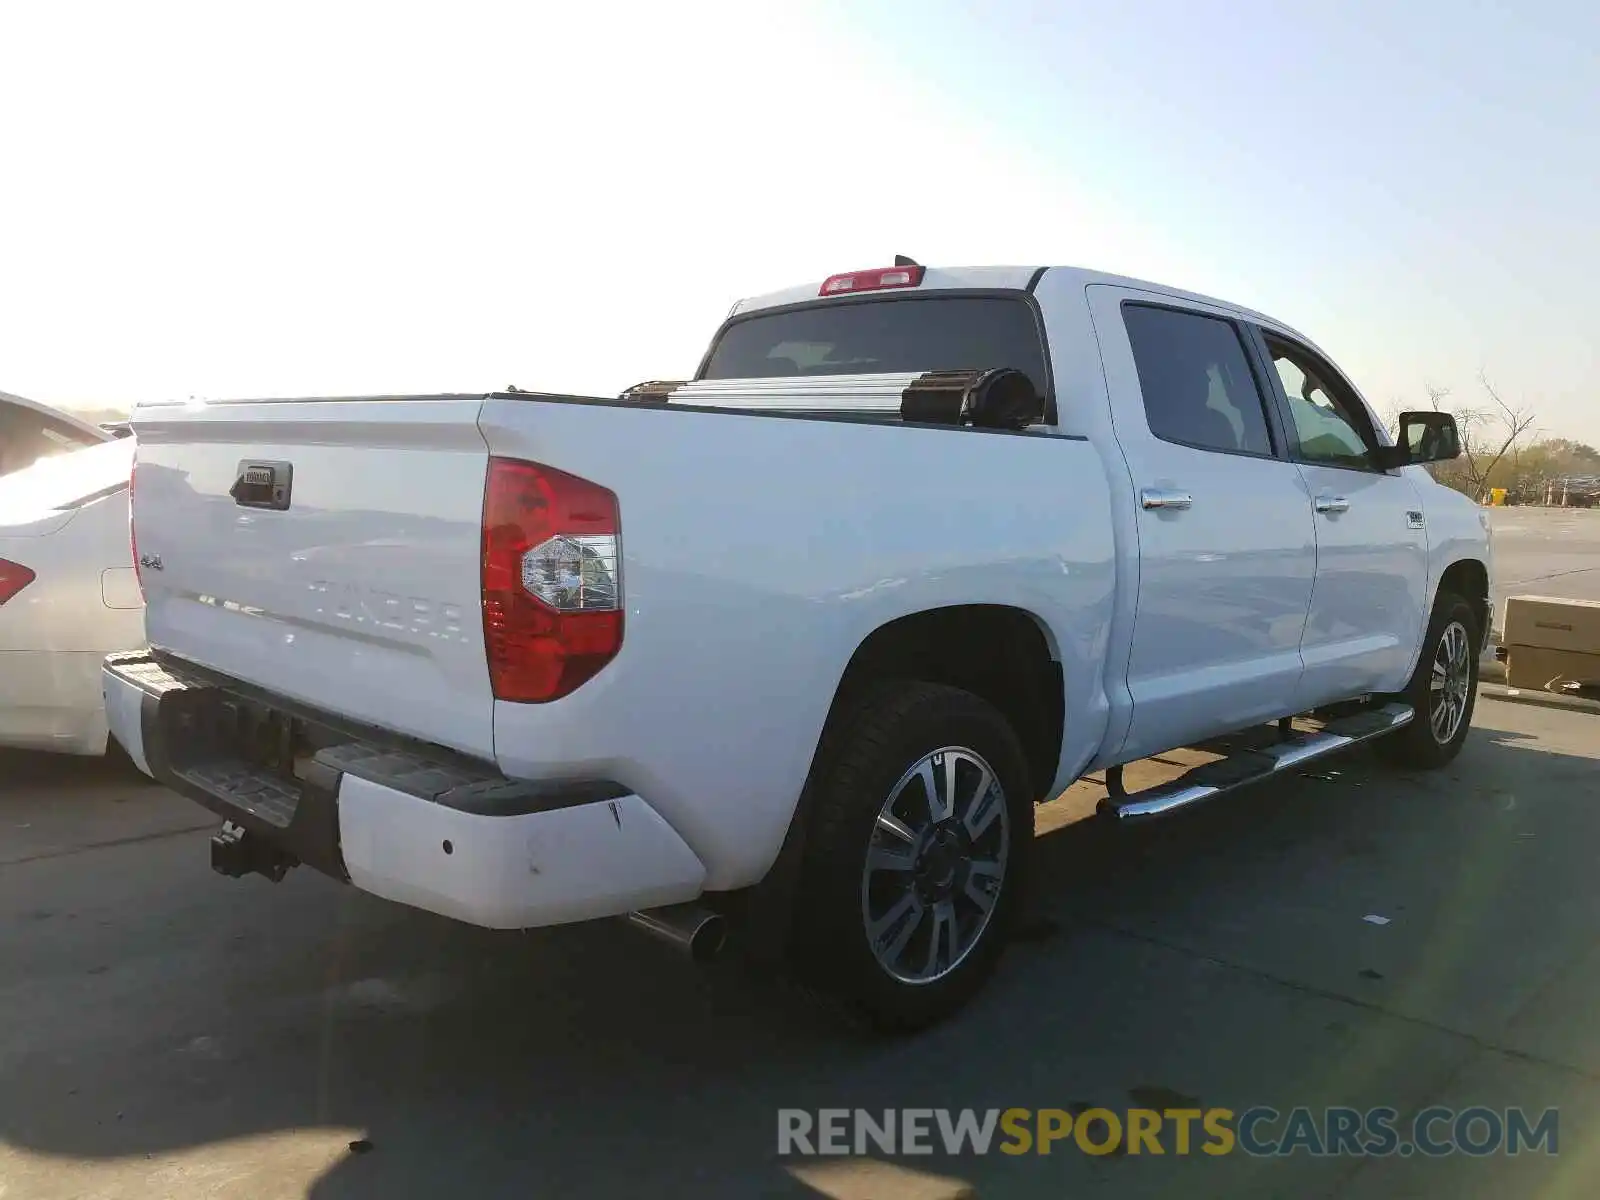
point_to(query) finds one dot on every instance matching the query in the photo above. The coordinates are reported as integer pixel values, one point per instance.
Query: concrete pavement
(1545, 552)
(166, 1032)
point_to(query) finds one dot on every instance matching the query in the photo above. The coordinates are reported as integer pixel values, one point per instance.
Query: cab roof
(1010, 278)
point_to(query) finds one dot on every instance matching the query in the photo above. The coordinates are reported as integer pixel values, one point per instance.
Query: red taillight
(13, 578)
(871, 281)
(552, 586)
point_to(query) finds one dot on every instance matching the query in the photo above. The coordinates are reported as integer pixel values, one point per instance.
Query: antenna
(900, 260)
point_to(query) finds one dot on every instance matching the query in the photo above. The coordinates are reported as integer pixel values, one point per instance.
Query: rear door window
(1198, 387)
(889, 336)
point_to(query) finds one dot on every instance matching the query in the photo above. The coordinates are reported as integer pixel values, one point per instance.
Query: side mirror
(1425, 437)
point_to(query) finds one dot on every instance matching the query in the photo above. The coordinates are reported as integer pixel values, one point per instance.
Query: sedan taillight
(13, 578)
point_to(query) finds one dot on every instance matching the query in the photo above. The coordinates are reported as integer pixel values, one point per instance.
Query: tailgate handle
(263, 485)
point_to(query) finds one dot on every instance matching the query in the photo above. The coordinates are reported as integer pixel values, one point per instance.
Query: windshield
(904, 334)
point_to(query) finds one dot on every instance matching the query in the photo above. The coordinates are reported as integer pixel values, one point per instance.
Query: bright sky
(333, 198)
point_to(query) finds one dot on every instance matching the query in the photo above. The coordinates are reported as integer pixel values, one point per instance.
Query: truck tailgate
(324, 550)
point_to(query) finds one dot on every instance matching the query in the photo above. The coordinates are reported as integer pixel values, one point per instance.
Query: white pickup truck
(794, 647)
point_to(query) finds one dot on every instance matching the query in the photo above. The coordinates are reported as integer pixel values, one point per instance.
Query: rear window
(902, 335)
(27, 436)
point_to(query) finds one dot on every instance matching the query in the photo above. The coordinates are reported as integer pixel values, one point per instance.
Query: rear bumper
(50, 700)
(412, 824)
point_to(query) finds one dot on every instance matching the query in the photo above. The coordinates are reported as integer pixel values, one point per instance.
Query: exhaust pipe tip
(698, 932)
(709, 940)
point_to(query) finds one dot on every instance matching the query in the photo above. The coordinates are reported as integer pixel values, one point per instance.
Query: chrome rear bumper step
(1251, 766)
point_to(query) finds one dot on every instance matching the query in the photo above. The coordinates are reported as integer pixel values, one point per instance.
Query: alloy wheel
(1451, 682)
(936, 862)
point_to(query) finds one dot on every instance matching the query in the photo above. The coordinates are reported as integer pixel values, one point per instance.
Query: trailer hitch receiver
(236, 853)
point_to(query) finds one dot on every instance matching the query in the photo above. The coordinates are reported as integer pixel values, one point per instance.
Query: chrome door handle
(1332, 504)
(1164, 498)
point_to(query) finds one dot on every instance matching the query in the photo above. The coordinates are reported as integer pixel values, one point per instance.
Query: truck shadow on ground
(21, 769)
(389, 1054)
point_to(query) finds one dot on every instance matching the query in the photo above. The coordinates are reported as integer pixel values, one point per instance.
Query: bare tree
(1489, 432)
(1391, 416)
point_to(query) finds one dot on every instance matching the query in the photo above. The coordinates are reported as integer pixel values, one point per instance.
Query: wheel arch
(1468, 578)
(1001, 653)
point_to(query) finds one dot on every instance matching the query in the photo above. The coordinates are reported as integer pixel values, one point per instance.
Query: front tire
(1442, 690)
(921, 832)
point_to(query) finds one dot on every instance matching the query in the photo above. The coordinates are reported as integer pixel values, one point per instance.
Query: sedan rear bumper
(50, 700)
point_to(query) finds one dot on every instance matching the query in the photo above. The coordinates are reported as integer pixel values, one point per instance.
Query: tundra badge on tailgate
(263, 485)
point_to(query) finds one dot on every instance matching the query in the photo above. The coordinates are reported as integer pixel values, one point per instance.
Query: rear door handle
(1164, 498)
(1332, 504)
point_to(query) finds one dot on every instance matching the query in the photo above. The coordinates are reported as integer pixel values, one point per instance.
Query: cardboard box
(1548, 623)
(1538, 667)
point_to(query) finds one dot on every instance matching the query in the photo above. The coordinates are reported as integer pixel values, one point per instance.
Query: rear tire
(1442, 690)
(906, 900)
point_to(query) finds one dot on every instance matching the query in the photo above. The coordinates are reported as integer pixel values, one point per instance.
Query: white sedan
(68, 595)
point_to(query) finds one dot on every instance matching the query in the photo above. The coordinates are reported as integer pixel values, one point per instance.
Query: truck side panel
(758, 554)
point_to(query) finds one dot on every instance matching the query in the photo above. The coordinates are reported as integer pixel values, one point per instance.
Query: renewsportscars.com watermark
(1261, 1131)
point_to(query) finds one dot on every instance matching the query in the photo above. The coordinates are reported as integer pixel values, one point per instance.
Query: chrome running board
(1249, 766)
